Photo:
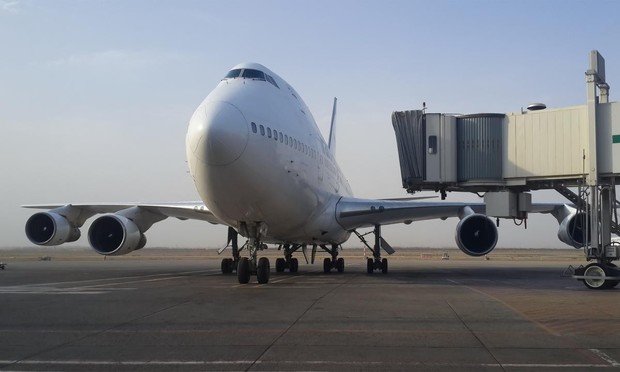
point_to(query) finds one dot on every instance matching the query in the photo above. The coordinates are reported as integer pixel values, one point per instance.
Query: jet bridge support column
(603, 273)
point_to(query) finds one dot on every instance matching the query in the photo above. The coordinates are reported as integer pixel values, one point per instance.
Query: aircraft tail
(332, 130)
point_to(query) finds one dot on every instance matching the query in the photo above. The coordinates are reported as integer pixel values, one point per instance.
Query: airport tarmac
(174, 311)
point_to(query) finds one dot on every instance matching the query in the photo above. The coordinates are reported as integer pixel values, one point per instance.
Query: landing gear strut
(230, 264)
(376, 262)
(334, 262)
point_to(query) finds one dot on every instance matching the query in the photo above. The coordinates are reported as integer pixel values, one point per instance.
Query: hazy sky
(95, 96)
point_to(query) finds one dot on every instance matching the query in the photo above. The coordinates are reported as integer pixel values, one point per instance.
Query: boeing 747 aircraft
(262, 168)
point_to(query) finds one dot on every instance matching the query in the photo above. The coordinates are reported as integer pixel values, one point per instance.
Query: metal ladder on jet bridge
(583, 205)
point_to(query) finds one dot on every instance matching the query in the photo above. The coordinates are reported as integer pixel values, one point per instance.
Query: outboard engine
(49, 228)
(476, 235)
(115, 235)
(573, 229)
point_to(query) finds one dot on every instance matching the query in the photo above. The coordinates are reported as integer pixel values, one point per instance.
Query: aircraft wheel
(595, 270)
(340, 265)
(280, 264)
(327, 265)
(384, 266)
(243, 270)
(225, 266)
(370, 265)
(294, 265)
(262, 271)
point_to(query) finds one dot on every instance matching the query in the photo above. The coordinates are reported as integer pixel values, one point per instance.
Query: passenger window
(295, 142)
(285, 139)
(281, 138)
(275, 134)
(268, 132)
(262, 130)
(254, 127)
(253, 74)
(232, 74)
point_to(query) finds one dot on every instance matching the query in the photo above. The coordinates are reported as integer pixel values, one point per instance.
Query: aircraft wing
(181, 210)
(353, 213)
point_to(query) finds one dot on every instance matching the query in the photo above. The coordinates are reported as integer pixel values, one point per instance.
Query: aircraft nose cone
(218, 133)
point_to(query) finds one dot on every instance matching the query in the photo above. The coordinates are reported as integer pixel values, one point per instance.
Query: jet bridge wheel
(595, 270)
(262, 270)
(613, 283)
(243, 270)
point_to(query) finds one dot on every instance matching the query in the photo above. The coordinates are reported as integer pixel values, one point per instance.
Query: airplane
(262, 167)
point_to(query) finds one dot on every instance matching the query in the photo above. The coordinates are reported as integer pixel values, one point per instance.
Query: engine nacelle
(476, 235)
(115, 235)
(573, 230)
(49, 228)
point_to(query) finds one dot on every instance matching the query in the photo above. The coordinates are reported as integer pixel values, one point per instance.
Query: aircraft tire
(280, 264)
(243, 270)
(327, 265)
(340, 265)
(262, 270)
(224, 266)
(384, 266)
(370, 266)
(294, 265)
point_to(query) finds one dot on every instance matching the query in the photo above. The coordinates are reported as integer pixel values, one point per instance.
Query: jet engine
(476, 235)
(573, 229)
(48, 228)
(115, 235)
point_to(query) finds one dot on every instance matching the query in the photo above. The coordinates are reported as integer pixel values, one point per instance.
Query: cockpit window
(233, 74)
(270, 79)
(253, 74)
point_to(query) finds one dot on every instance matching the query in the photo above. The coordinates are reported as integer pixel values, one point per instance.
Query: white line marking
(605, 357)
(296, 362)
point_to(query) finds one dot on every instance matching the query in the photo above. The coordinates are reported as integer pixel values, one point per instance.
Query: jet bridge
(506, 155)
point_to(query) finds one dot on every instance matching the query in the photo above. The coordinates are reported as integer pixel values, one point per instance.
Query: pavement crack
(313, 304)
(475, 335)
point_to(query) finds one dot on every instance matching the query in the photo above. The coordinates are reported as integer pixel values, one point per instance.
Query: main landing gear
(334, 262)
(376, 262)
(288, 262)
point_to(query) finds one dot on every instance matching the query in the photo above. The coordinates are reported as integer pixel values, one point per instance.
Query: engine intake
(476, 235)
(48, 228)
(573, 230)
(115, 235)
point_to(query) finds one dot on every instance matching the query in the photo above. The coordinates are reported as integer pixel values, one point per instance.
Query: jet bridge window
(233, 74)
(253, 74)
(432, 144)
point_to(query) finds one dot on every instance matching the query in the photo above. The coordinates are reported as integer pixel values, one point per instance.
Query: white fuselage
(259, 161)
